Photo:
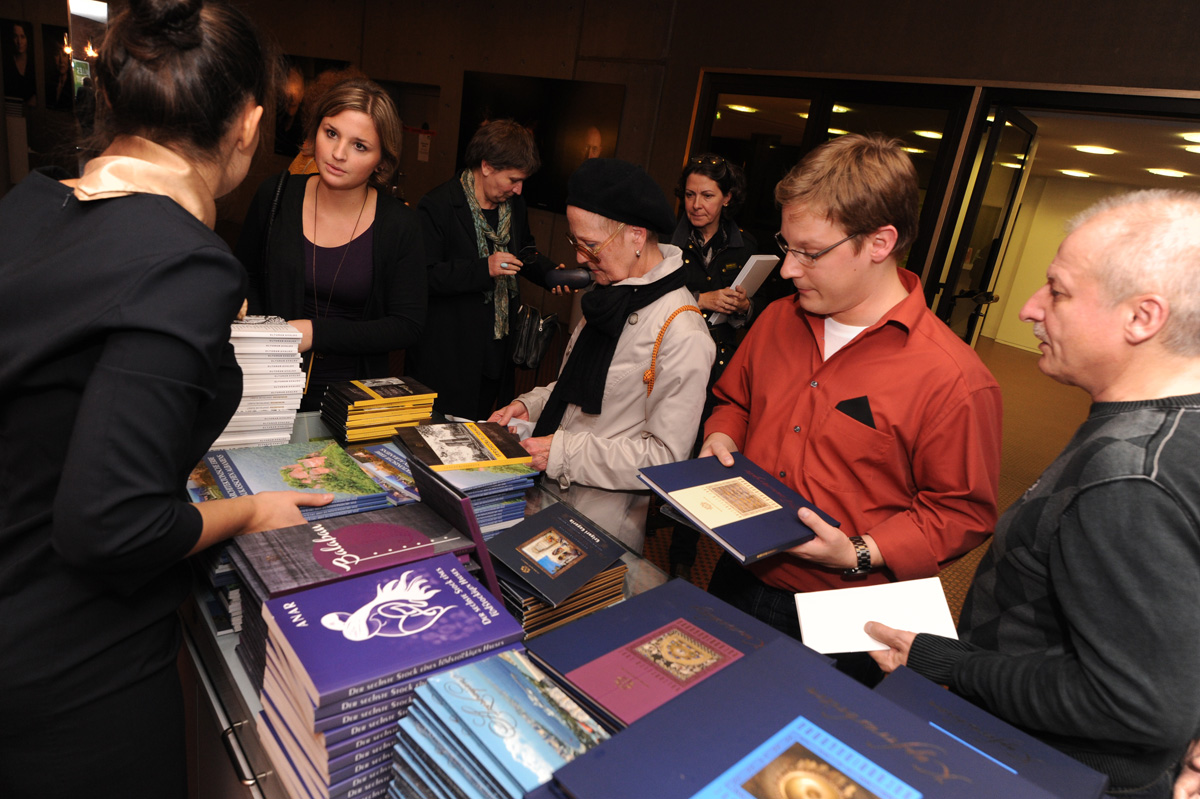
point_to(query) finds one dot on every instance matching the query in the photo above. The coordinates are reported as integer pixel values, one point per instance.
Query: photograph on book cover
(453, 444)
(551, 552)
(802, 760)
(724, 502)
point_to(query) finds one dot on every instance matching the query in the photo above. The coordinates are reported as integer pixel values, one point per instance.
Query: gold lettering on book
(926, 757)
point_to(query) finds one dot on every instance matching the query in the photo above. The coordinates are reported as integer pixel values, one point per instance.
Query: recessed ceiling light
(745, 109)
(718, 115)
(928, 134)
(1168, 173)
(1019, 156)
(1193, 148)
(840, 109)
(1094, 149)
(991, 118)
(913, 150)
(1010, 165)
(1192, 137)
(1076, 173)
(838, 131)
(802, 114)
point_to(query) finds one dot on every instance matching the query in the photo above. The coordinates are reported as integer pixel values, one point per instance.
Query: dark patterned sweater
(1083, 623)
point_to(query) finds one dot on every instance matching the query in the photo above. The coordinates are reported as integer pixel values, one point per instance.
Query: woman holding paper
(714, 248)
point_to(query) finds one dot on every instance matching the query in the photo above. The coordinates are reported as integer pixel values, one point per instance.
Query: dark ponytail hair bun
(178, 72)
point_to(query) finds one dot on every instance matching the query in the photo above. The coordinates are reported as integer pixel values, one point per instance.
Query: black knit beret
(621, 191)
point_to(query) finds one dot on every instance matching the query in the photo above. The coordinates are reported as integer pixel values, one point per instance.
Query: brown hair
(728, 176)
(861, 183)
(504, 144)
(179, 72)
(363, 95)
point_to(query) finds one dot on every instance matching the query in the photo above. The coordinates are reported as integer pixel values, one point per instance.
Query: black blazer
(450, 356)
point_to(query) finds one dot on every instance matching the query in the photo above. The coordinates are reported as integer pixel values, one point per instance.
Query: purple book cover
(649, 671)
(360, 634)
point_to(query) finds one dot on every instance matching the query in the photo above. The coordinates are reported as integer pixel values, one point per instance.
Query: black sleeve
(449, 270)
(249, 249)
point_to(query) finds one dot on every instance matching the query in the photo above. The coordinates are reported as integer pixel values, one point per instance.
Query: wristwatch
(863, 553)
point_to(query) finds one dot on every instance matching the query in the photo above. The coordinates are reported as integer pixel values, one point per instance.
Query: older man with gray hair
(1083, 623)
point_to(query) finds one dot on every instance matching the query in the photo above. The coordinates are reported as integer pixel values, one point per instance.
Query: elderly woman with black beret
(632, 385)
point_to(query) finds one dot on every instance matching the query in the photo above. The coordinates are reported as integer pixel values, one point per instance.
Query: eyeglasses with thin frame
(592, 254)
(806, 258)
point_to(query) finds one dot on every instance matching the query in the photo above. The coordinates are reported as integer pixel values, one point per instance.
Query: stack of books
(496, 727)
(279, 562)
(314, 467)
(343, 660)
(555, 566)
(368, 410)
(483, 461)
(267, 350)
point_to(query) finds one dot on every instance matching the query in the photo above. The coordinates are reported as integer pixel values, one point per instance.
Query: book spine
(417, 671)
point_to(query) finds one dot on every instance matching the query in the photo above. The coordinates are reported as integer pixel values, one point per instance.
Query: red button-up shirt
(922, 483)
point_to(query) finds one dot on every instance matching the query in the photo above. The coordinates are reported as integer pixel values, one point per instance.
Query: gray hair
(1153, 247)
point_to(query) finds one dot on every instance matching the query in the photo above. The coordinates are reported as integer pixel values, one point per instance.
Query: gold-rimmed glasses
(592, 254)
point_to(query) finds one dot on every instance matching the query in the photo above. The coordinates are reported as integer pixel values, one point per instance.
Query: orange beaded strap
(648, 377)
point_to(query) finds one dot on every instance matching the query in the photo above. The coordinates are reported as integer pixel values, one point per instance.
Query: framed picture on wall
(18, 54)
(571, 121)
(59, 90)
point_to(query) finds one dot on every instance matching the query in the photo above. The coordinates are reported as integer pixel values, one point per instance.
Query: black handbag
(532, 334)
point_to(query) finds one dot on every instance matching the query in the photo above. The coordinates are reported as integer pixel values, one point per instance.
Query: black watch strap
(863, 553)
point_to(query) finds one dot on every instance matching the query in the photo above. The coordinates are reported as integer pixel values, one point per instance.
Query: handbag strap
(648, 377)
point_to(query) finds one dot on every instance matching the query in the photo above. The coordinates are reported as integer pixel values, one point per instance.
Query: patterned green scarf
(505, 289)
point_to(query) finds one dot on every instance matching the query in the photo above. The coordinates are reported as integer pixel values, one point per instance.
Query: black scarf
(606, 309)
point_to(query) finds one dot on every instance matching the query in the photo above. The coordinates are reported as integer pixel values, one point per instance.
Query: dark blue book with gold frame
(743, 508)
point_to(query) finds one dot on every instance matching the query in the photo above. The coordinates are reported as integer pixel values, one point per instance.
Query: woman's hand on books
(539, 448)
(721, 446)
(514, 410)
(899, 642)
(270, 510)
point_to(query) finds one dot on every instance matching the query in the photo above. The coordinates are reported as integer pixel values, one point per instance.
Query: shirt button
(633, 317)
(813, 384)
(796, 429)
(783, 474)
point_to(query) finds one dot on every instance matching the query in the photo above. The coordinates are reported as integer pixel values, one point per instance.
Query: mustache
(1039, 330)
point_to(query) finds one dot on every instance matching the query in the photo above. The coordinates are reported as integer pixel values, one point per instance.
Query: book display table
(226, 758)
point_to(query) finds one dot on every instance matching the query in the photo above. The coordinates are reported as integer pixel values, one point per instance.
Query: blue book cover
(1037, 762)
(747, 511)
(360, 634)
(632, 657)
(525, 721)
(448, 734)
(455, 729)
(314, 467)
(777, 727)
(440, 760)
(555, 551)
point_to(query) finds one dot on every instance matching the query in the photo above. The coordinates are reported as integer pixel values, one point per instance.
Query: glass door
(1002, 163)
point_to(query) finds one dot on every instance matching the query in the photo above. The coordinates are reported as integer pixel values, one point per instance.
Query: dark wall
(657, 48)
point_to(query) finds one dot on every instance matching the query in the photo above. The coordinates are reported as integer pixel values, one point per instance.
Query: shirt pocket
(846, 456)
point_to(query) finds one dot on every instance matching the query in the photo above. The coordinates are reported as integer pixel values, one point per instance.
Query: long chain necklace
(338, 271)
(345, 250)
